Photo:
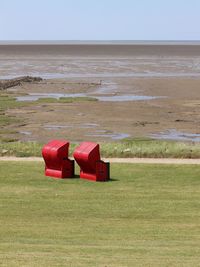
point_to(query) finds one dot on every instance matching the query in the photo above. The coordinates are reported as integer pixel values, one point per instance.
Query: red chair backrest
(54, 152)
(86, 155)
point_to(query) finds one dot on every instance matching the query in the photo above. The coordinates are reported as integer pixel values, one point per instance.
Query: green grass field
(148, 215)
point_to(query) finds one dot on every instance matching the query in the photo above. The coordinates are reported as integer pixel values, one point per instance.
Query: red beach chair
(87, 156)
(57, 163)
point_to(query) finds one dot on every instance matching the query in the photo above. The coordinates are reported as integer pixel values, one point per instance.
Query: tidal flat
(125, 91)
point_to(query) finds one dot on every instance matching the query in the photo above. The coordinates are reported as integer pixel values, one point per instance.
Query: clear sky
(99, 19)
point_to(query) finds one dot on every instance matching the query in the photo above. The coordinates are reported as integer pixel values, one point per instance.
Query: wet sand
(96, 50)
(142, 91)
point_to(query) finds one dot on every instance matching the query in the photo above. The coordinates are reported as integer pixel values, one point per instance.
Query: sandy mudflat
(88, 50)
(142, 91)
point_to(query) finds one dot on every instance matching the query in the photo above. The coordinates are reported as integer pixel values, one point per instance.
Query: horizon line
(106, 42)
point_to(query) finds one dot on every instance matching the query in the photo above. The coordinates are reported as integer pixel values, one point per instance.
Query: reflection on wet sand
(137, 66)
(114, 98)
(113, 136)
(107, 91)
(173, 134)
(96, 133)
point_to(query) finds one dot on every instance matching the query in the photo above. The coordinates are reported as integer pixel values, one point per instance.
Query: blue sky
(99, 19)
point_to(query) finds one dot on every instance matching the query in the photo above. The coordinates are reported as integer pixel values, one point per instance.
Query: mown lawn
(148, 215)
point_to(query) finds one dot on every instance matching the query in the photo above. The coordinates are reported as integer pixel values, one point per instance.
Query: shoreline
(101, 42)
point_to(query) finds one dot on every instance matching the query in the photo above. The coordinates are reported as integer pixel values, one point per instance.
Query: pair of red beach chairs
(87, 156)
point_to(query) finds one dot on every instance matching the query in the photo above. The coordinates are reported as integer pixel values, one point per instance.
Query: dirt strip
(118, 160)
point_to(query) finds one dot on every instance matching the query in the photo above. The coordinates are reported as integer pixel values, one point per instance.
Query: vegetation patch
(7, 101)
(65, 99)
(142, 148)
(150, 148)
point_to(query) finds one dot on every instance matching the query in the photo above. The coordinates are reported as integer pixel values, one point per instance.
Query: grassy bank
(147, 216)
(129, 148)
